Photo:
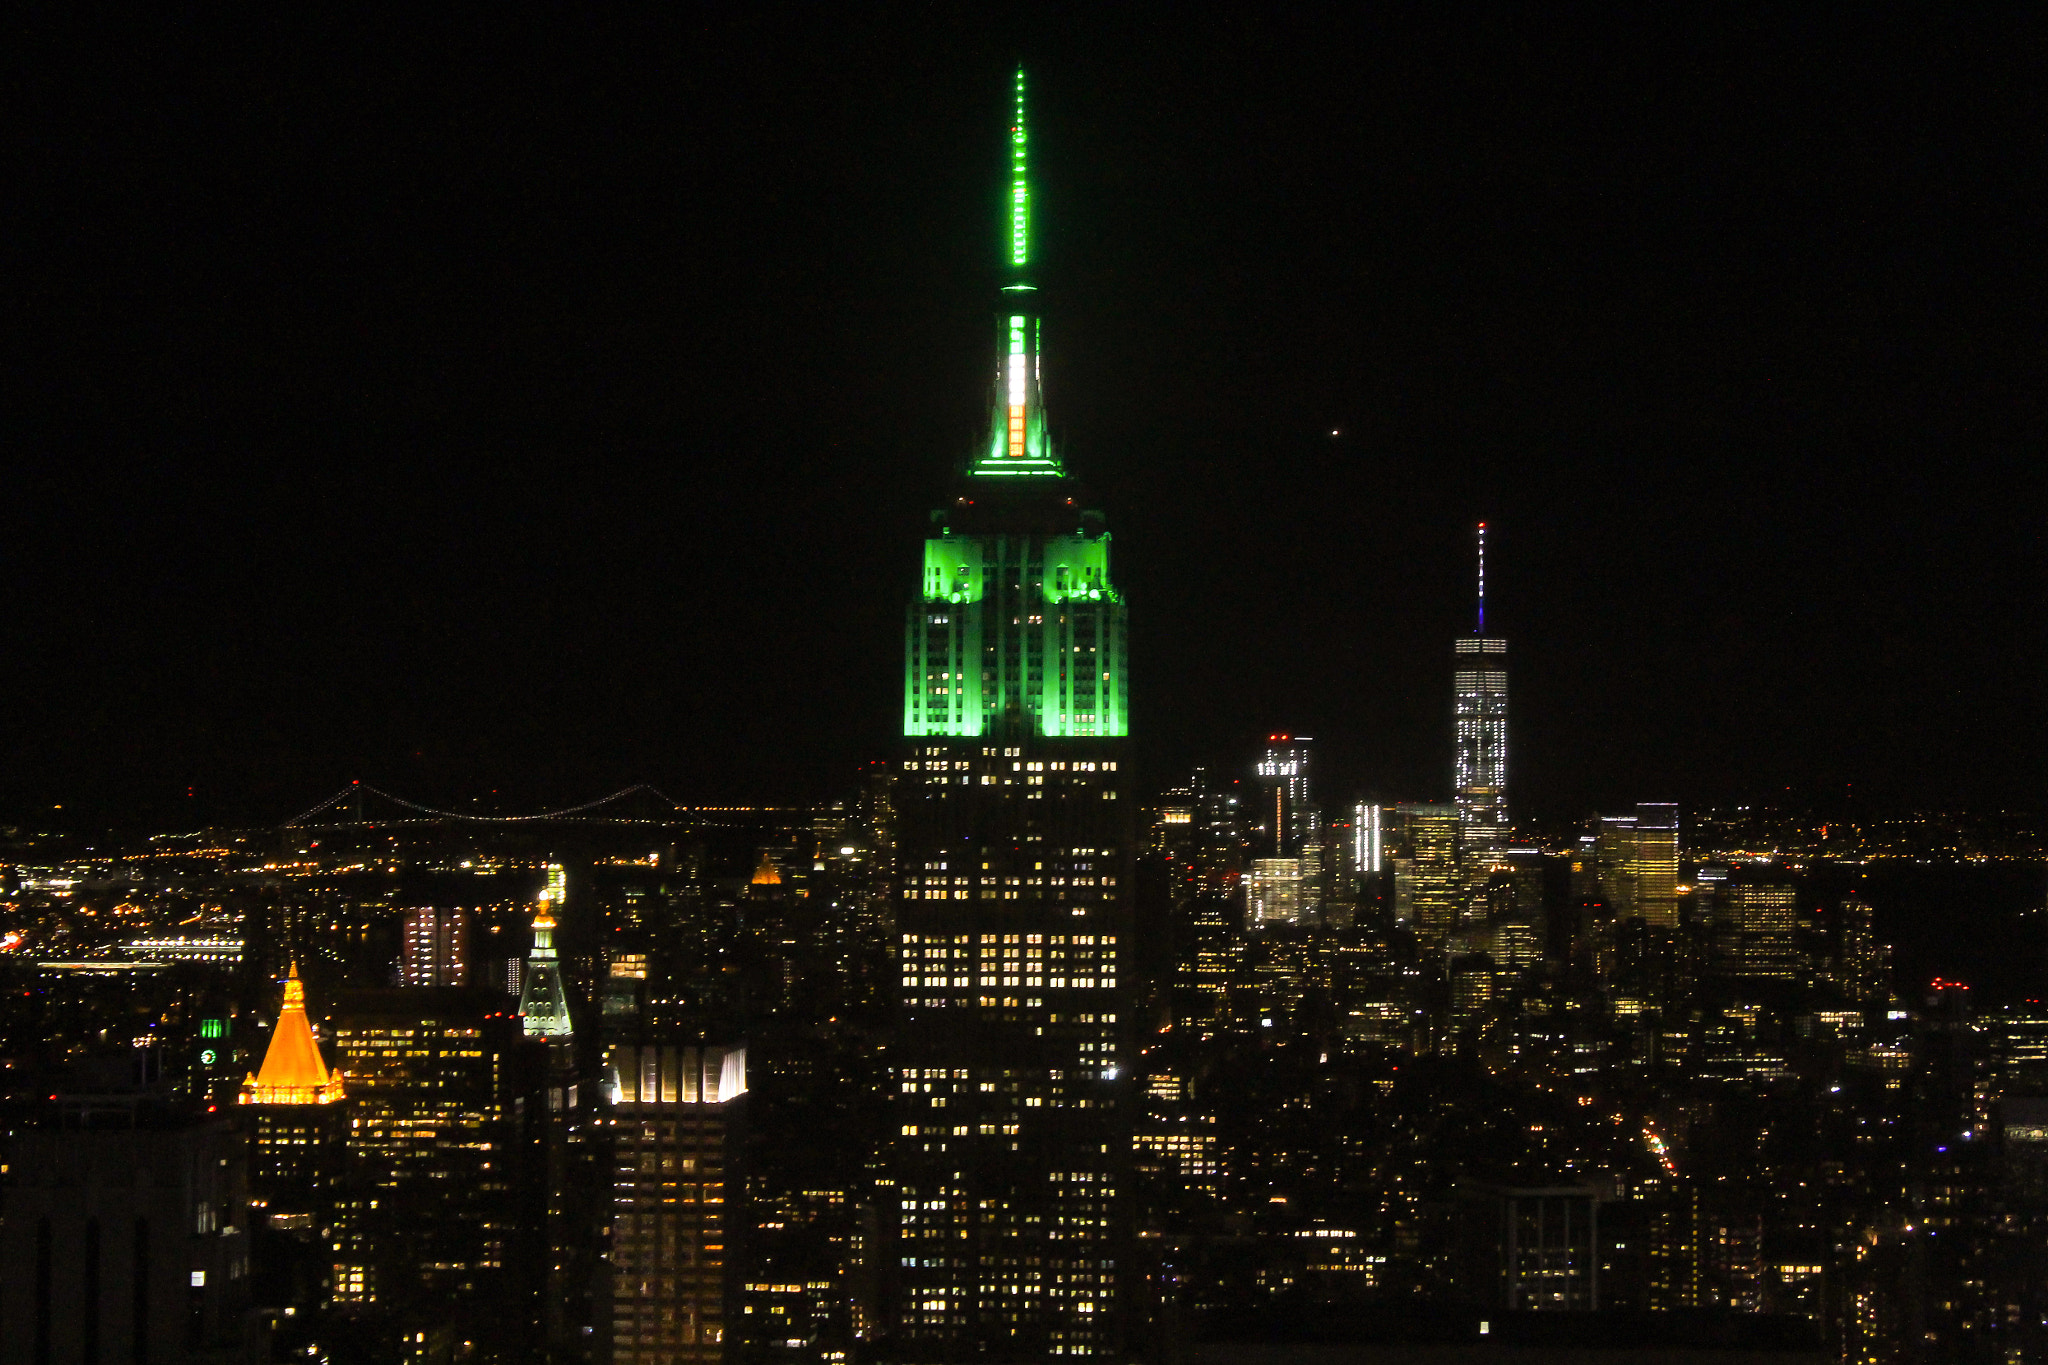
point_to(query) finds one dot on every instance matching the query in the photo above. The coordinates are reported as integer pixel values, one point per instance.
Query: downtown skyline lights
(997, 1055)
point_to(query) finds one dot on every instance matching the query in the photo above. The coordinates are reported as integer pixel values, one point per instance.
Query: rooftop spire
(1020, 187)
(1482, 580)
(543, 1004)
(293, 1071)
(1018, 443)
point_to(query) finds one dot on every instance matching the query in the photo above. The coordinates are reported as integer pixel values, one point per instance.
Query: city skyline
(1018, 1006)
(386, 525)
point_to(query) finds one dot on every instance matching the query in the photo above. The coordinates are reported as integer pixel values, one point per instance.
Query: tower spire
(1481, 630)
(1018, 443)
(543, 1003)
(1020, 192)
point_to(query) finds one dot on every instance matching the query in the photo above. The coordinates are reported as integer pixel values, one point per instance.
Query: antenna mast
(1482, 580)
(1020, 187)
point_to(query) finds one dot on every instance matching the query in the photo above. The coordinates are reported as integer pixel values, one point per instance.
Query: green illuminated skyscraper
(1012, 915)
(1018, 629)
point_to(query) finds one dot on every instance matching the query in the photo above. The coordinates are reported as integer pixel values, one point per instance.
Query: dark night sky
(530, 409)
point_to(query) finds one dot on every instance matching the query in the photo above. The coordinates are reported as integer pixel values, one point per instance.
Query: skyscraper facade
(1636, 859)
(1014, 857)
(1273, 891)
(673, 1119)
(1656, 863)
(1762, 912)
(1480, 695)
(1294, 829)
(1423, 841)
(1368, 839)
(424, 1218)
(296, 1125)
(551, 1031)
(1200, 835)
(1288, 811)
(434, 946)
(127, 1239)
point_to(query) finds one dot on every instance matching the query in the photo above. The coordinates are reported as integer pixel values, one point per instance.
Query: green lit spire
(1018, 443)
(1018, 629)
(1020, 186)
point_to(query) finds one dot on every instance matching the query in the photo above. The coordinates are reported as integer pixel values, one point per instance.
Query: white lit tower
(544, 1017)
(543, 1002)
(1480, 690)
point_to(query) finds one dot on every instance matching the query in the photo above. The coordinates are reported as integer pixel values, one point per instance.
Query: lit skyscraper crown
(543, 1003)
(293, 1071)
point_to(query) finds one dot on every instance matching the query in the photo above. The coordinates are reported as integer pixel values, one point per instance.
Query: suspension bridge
(357, 805)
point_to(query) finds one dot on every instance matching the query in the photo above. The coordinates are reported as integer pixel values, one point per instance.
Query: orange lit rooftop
(293, 1071)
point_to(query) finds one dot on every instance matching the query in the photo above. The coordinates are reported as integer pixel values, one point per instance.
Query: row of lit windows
(990, 891)
(1082, 940)
(1019, 766)
(1029, 779)
(1017, 880)
(992, 1087)
(1054, 983)
(1012, 959)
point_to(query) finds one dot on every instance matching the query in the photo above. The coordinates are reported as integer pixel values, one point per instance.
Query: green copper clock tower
(1012, 911)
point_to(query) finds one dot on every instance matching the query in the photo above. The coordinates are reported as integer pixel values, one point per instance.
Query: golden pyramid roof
(765, 874)
(293, 1071)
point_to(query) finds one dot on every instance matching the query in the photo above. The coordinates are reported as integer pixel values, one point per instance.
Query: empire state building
(1013, 905)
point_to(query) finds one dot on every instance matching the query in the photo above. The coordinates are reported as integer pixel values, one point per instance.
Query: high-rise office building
(1613, 860)
(1858, 961)
(1480, 691)
(1287, 808)
(1635, 860)
(673, 1120)
(1368, 840)
(1546, 1252)
(434, 946)
(1656, 864)
(1197, 835)
(1517, 893)
(1013, 853)
(425, 1219)
(1273, 891)
(1293, 825)
(1757, 923)
(296, 1127)
(1428, 890)
(545, 1020)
